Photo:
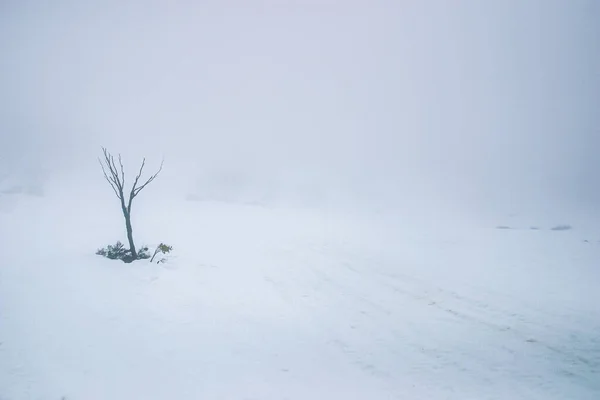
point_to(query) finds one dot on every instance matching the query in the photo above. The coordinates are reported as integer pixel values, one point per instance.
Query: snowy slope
(262, 303)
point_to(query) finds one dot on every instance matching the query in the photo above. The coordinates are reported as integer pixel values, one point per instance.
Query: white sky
(486, 103)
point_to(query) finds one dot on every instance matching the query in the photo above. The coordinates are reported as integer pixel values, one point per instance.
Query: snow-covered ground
(281, 303)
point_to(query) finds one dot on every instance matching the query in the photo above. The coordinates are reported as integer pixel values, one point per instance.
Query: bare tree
(116, 179)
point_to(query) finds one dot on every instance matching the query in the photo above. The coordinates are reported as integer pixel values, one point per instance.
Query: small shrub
(143, 253)
(162, 248)
(114, 252)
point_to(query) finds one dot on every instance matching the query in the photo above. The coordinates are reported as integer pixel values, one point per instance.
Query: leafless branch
(108, 179)
(122, 171)
(113, 171)
(136, 189)
(113, 179)
(137, 178)
(117, 180)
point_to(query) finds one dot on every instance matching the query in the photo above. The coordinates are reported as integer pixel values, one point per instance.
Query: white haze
(469, 106)
(380, 144)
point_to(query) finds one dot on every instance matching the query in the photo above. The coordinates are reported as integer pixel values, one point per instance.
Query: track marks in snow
(396, 324)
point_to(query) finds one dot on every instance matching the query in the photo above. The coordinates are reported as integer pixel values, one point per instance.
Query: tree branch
(122, 171)
(113, 171)
(117, 181)
(135, 190)
(137, 178)
(114, 181)
(109, 179)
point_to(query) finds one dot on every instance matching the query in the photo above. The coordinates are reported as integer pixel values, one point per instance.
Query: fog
(490, 107)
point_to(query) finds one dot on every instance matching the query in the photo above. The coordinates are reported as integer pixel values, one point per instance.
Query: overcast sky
(479, 102)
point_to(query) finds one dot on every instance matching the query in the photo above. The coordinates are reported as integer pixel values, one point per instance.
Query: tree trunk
(127, 216)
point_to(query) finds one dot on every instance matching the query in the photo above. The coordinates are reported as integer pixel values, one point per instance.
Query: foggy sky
(484, 103)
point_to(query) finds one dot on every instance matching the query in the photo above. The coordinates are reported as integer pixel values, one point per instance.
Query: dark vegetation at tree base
(118, 251)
